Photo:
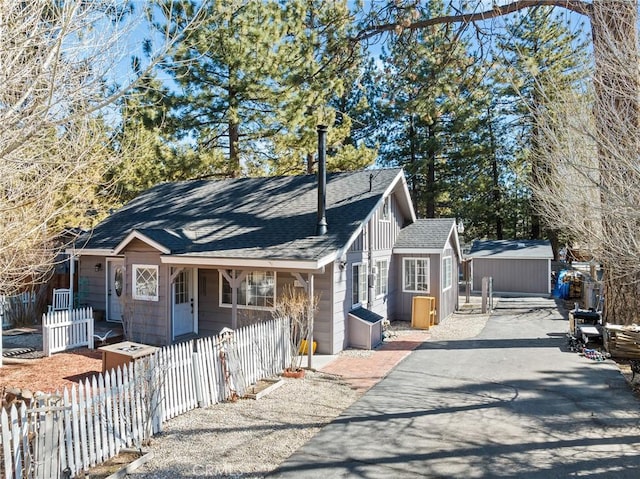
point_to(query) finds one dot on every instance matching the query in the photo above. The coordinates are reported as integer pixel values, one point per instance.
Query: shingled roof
(267, 218)
(425, 234)
(521, 249)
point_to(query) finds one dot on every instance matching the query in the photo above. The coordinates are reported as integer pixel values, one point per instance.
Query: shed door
(183, 303)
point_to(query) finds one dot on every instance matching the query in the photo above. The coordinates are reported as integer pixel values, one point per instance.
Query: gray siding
(212, 317)
(324, 329)
(404, 304)
(384, 232)
(151, 323)
(528, 276)
(92, 283)
(384, 237)
(341, 304)
(449, 297)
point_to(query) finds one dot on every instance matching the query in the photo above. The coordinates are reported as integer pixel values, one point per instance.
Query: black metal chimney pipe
(321, 227)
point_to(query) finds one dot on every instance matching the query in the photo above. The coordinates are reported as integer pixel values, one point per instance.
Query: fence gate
(47, 422)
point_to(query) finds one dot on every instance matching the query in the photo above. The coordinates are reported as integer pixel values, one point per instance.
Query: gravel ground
(249, 438)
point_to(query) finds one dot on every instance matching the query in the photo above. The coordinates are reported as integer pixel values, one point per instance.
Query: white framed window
(256, 291)
(447, 272)
(415, 275)
(145, 282)
(386, 210)
(382, 277)
(358, 284)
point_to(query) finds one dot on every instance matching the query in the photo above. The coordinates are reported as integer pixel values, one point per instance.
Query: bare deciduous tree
(58, 61)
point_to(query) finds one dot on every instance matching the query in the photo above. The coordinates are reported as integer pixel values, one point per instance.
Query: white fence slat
(84, 442)
(108, 427)
(90, 412)
(6, 444)
(75, 427)
(24, 433)
(103, 419)
(68, 430)
(120, 427)
(15, 439)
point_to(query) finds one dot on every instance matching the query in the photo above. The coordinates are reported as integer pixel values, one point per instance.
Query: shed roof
(270, 218)
(513, 249)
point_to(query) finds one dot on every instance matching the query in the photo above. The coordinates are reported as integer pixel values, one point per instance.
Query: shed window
(447, 272)
(145, 282)
(359, 284)
(382, 278)
(415, 275)
(257, 291)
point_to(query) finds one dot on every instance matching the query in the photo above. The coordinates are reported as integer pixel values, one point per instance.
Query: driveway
(509, 403)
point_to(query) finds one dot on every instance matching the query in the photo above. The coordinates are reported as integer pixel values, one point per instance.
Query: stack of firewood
(622, 341)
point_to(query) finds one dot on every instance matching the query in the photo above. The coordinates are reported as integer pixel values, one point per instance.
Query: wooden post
(485, 291)
(310, 318)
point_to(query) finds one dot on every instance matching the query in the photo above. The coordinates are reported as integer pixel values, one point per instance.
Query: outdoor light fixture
(98, 267)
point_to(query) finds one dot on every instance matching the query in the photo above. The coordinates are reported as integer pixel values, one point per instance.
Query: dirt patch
(52, 373)
(113, 465)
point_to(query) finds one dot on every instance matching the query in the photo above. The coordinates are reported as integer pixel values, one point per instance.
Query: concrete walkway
(510, 403)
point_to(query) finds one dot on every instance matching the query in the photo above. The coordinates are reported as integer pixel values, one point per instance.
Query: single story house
(190, 258)
(516, 266)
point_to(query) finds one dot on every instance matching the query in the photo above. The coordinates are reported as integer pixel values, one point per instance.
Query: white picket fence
(69, 329)
(93, 421)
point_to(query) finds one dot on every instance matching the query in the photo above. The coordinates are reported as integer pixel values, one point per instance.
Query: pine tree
(256, 79)
(432, 100)
(541, 57)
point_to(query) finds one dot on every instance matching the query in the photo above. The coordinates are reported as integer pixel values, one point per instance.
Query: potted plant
(296, 305)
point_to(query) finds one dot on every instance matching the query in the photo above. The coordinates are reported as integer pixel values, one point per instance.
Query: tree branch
(578, 6)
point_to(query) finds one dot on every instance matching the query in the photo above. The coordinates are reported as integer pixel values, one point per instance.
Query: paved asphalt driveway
(510, 403)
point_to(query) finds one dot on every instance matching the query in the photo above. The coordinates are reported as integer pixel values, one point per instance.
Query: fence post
(90, 328)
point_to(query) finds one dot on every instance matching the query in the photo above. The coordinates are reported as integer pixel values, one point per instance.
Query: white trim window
(447, 272)
(358, 284)
(382, 277)
(415, 275)
(385, 215)
(145, 282)
(257, 291)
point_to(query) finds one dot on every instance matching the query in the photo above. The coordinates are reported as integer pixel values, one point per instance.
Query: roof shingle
(267, 218)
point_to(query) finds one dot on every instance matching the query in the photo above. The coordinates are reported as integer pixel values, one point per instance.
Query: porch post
(310, 333)
(72, 274)
(234, 301)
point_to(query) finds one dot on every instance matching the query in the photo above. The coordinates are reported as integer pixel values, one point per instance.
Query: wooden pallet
(622, 341)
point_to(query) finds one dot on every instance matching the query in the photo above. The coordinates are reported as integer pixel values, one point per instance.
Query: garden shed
(516, 266)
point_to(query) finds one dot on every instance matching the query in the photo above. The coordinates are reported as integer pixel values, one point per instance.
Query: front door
(115, 285)
(183, 306)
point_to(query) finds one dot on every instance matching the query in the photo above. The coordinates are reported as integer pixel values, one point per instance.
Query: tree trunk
(430, 187)
(310, 162)
(495, 184)
(615, 46)
(413, 159)
(234, 156)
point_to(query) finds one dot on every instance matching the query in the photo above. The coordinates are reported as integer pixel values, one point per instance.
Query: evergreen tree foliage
(540, 58)
(256, 79)
(150, 154)
(433, 102)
